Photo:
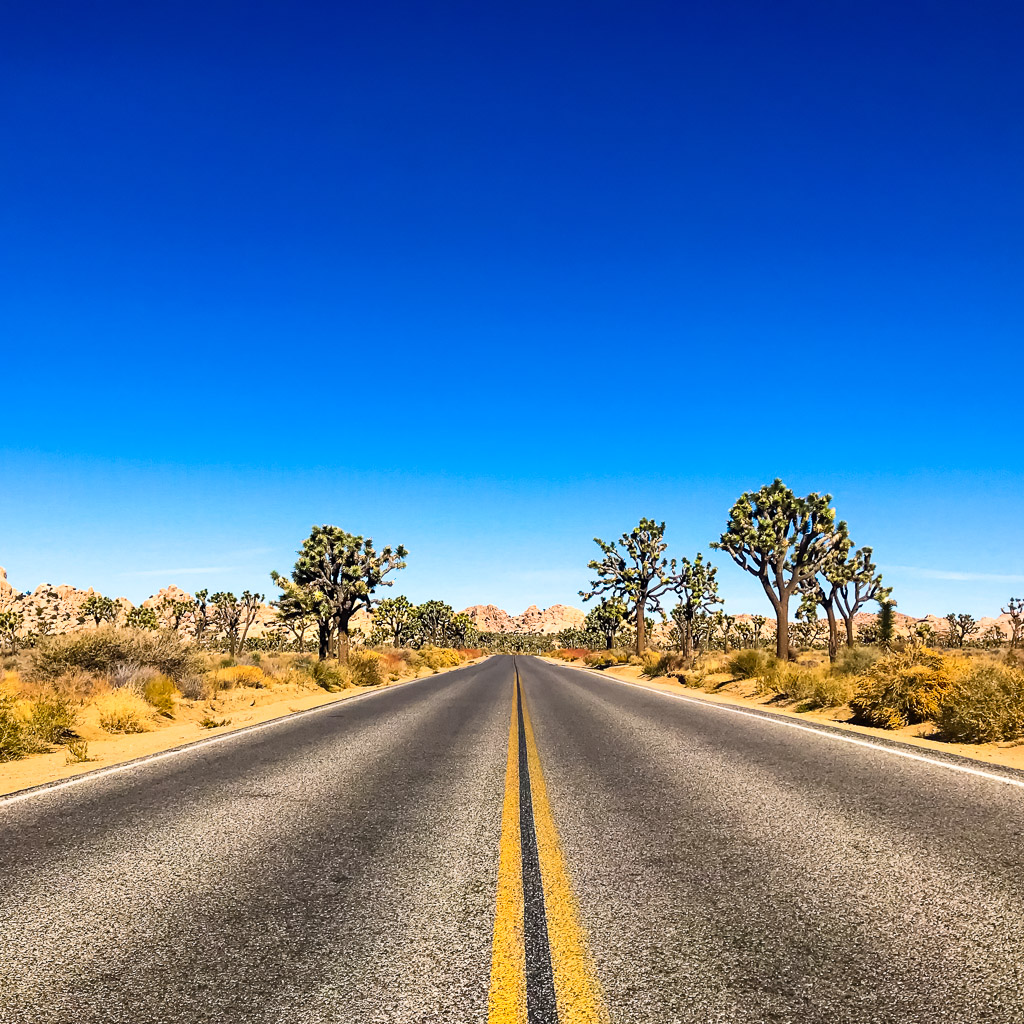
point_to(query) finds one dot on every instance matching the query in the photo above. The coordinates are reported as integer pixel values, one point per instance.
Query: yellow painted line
(577, 989)
(506, 1003)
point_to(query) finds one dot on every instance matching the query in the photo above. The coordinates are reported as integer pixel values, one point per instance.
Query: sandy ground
(242, 706)
(743, 693)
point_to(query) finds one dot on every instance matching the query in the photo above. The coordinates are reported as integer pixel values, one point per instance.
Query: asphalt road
(343, 866)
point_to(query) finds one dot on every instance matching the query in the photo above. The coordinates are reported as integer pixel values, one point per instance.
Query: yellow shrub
(238, 675)
(366, 668)
(122, 711)
(440, 657)
(159, 691)
(904, 687)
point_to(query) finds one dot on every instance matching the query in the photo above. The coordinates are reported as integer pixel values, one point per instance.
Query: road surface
(460, 849)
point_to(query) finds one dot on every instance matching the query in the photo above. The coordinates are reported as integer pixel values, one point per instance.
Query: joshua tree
(142, 618)
(886, 622)
(698, 594)
(639, 575)
(433, 623)
(784, 541)
(824, 589)
(200, 614)
(10, 623)
(857, 581)
(756, 628)
(726, 623)
(1015, 609)
(606, 620)
(234, 616)
(335, 576)
(174, 611)
(961, 628)
(393, 621)
(98, 608)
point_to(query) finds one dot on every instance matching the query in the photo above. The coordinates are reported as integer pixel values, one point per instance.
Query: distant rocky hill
(59, 609)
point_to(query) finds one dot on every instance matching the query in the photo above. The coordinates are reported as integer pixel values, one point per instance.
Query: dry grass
(122, 711)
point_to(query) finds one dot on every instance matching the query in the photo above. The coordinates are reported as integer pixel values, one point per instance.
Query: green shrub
(669, 663)
(52, 719)
(986, 705)
(159, 691)
(750, 663)
(903, 687)
(855, 661)
(328, 676)
(99, 650)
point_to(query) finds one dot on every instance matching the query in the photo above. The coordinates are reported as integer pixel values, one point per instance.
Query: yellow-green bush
(985, 705)
(159, 691)
(903, 687)
(14, 741)
(328, 676)
(365, 668)
(750, 663)
(99, 650)
(51, 719)
(604, 659)
(440, 657)
(122, 711)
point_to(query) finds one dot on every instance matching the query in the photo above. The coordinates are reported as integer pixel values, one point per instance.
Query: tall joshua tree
(698, 594)
(638, 575)
(334, 577)
(1015, 609)
(784, 541)
(855, 582)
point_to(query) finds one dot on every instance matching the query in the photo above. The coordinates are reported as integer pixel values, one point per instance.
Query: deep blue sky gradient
(489, 280)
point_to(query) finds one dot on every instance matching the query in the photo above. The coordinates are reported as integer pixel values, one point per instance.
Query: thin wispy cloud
(961, 577)
(190, 571)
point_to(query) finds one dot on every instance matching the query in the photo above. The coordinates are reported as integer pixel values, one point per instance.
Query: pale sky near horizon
(492, 281)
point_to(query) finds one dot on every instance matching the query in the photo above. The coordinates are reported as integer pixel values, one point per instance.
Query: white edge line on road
(773, 719)
(187, 748)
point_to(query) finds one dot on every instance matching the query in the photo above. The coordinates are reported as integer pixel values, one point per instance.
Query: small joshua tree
(1015, 609)
(98, 608)
(961, 628)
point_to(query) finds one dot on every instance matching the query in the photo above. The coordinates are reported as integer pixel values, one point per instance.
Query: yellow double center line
(541, 967)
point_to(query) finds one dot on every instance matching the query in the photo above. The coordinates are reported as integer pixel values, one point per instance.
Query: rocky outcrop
(489, 618)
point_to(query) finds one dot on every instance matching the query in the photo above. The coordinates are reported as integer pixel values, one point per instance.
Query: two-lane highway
(463, 849)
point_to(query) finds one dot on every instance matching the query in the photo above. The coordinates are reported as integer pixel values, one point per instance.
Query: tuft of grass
(329, 677)
(237, 675)
(159, 692)
(657, 664)
(209, 722)
(78, 752)
(122, 712)
(855, 661)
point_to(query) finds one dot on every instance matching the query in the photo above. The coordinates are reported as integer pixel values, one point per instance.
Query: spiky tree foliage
(757, 628)
(393, 621)
(725, 625)
(200, 614)
(338, 572)
(98, 608)
(857, 581)
(1015, 609)
(639, 575)
(698, 594)
(297, 606)
(823, 590)
(10, 622)
(886, 622)
(961, 628)
(784, 541)
(142, 618)
(434, 624)
(605, 620)
(233, 616)
(173, 612)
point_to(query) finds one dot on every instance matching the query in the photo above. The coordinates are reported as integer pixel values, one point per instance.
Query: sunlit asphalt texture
(343, 867)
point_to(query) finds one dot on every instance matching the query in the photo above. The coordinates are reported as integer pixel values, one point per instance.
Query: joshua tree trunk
(641, 635)
(833, 633)
(851, 631)
(324, 637)
(782, 628)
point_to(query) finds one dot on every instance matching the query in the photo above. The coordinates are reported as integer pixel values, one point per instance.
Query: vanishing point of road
(517, 841)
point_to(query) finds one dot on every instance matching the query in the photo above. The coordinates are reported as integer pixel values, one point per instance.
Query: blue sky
(490, 281)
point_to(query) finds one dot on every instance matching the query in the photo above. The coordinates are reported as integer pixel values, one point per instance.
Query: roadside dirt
(743, 693)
